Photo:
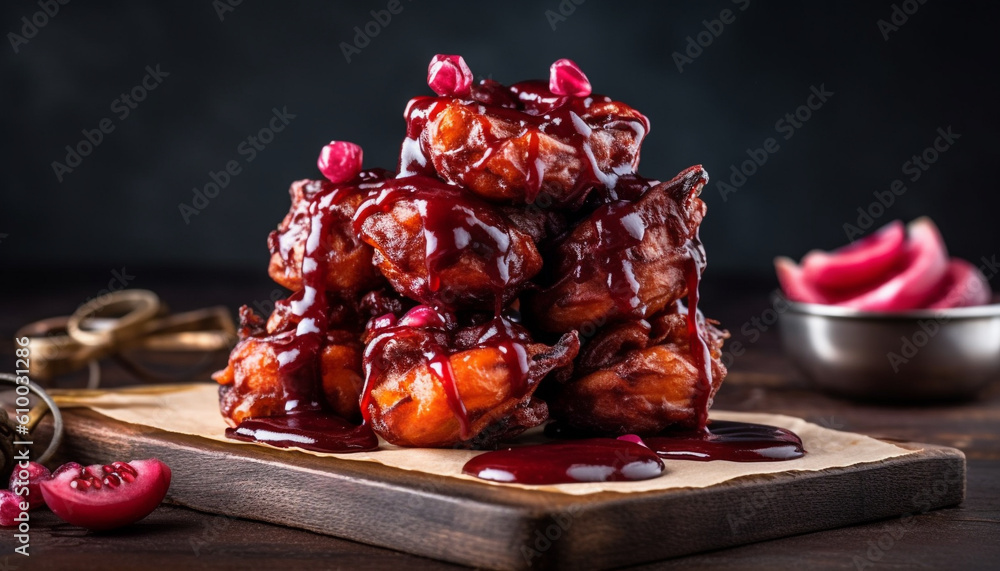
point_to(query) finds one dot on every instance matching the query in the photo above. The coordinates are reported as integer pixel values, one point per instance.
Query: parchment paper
(193, 410)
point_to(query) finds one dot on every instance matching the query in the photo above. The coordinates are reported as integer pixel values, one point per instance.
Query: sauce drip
(431, 340)
(306, 423)
(590, 460)
(696, 332)
(732, 441)
(316, 431)
(500, 334)
(722, 440)
(298, 357)
(453, 223)
(620, 228)
(427, 328)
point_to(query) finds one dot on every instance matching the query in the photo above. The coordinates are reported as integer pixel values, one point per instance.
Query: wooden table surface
(965, 537)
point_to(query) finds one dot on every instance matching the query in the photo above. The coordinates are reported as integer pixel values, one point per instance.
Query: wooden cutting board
(512, 528)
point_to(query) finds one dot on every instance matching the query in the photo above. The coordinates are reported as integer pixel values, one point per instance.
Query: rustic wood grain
(512, 528)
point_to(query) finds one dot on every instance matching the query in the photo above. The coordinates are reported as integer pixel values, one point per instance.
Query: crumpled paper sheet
(193, 410)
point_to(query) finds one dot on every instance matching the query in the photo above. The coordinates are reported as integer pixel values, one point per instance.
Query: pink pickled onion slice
(963, 286)
(857, 264)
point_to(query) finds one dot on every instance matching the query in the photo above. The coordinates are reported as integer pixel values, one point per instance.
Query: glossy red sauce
(732, 441)
(428, 329)
(453, 222)
(533, 106)
(589, 460)
(316, 431)
(307, 424)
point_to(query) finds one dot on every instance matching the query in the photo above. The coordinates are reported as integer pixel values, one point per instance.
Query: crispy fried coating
(432, 388)
(252, 384)
(438, 246)
(341, 374)
(637, 378)
(626, 260)
(509, 148)
(349, 266)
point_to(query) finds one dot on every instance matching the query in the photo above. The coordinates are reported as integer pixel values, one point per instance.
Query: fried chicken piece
(431, 385)
(439, 246)
(628, 259)
(253, 384)
(349, 266)
(510, 145)
(250, 385)
(638, 377)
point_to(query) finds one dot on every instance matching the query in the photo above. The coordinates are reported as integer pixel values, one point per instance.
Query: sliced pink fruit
(963, 286)
(106, 496)
(794, 283)
(859, 263)
(926, 262)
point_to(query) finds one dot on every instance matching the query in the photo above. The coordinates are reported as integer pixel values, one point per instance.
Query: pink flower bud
(340, 161)
(566, 78)
(449, 76)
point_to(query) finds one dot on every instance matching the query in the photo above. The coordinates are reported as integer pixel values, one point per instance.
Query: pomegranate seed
(127, 477)
(422, 316)
(566, 78)
(340, 161)
(108, 469)
(80, 484)
(449, 75)
(112, 480)
(123, 468)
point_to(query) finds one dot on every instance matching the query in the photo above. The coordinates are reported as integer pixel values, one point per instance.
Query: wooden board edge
(463, 522)
(766, 507)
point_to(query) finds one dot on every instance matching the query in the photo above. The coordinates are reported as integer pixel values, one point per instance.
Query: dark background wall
(119, 206)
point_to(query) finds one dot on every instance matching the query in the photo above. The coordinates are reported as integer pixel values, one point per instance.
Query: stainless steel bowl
(913, 356)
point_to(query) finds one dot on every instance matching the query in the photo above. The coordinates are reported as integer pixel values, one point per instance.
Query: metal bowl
(913, 356)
